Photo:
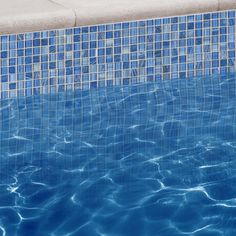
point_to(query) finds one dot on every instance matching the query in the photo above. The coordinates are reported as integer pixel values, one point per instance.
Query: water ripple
(148, 159)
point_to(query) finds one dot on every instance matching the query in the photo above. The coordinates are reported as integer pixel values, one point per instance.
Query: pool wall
(117, 54)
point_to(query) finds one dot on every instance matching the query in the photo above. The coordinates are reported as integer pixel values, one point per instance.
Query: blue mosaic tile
(117, 54)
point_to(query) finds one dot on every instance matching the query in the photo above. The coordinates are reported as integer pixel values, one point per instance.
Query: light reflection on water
(148, 159)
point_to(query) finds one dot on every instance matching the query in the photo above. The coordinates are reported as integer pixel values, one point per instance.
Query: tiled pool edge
(117, 53)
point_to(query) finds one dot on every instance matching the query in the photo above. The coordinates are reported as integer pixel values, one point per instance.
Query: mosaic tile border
(117, 54)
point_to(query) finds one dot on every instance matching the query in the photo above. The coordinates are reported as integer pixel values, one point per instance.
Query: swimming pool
(146, 159)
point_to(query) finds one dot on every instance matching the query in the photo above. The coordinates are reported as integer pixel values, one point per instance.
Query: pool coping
(39, 15)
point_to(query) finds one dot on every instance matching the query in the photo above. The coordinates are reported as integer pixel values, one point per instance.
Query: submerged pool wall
(117, 54)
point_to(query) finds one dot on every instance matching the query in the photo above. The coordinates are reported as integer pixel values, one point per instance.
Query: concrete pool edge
(38, 15)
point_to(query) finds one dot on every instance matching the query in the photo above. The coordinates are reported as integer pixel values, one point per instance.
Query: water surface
(156, 159)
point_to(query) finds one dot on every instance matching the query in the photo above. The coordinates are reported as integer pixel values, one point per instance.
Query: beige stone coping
(89, 12)
(17, 16)
(227, 4)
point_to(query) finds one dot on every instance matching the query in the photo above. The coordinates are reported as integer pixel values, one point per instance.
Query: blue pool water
(156, 159)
